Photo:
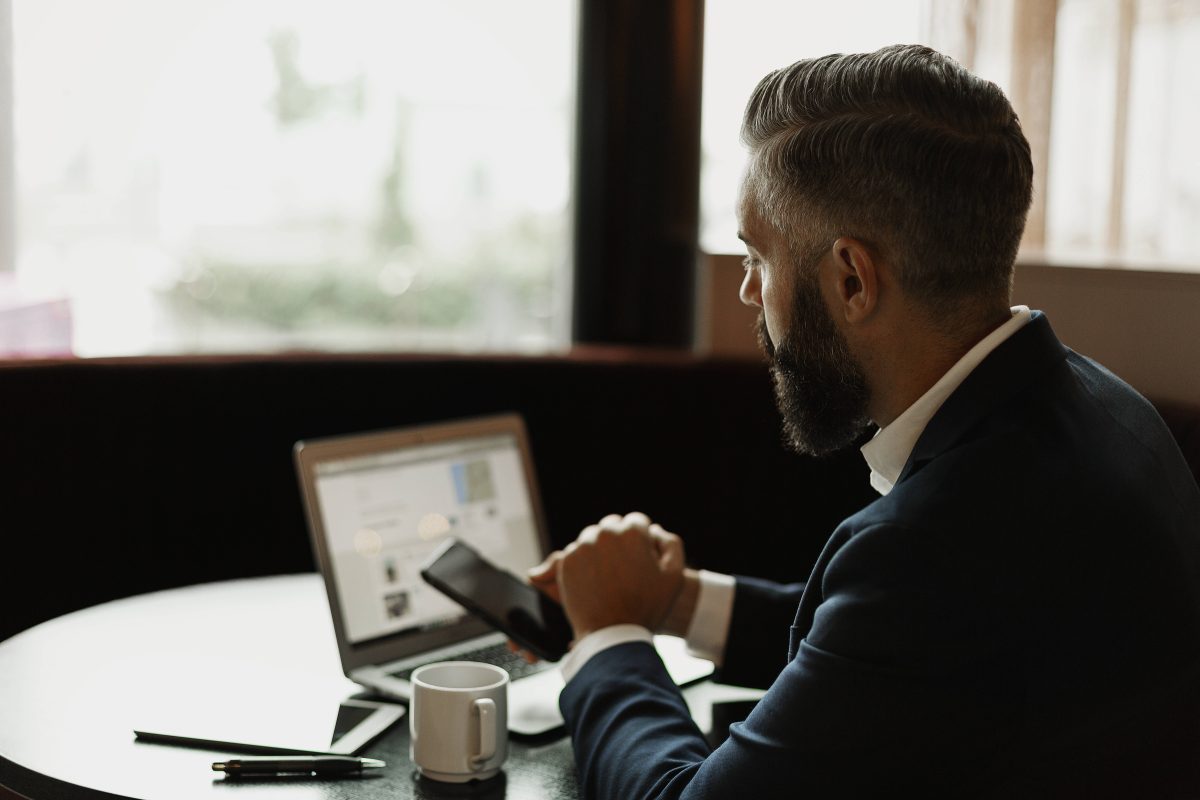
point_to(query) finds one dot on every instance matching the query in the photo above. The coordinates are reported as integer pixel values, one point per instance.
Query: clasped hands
(623, 570)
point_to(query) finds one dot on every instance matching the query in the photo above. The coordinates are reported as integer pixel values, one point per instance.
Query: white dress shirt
(888, 451)
(886, 454)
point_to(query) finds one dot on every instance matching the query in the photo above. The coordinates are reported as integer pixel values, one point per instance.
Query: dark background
(128, 475)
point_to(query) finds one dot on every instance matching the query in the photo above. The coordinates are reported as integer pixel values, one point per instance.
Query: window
(1125, 179)
(746, 39)
(202, 176)
(1106, 90)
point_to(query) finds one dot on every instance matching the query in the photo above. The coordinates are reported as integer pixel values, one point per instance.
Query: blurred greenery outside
(392, 279)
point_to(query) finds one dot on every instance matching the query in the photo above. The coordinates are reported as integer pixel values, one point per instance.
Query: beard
(820, 389)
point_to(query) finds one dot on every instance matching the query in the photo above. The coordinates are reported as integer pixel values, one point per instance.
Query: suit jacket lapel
(1020, 360)
(1017, 362)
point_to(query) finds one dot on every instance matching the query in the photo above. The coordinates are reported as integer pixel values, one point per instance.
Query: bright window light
(205, 175)
(746, 39)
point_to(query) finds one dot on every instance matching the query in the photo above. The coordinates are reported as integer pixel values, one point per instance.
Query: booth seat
(124, 476)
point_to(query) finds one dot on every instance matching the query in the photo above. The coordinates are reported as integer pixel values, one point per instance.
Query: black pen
(296, 765)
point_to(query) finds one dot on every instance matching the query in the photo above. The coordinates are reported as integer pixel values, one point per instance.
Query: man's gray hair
(903, 149)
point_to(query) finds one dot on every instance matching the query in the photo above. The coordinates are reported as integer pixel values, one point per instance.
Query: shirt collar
(888, 451)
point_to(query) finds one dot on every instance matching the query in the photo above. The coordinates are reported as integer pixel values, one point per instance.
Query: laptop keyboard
(498, 654)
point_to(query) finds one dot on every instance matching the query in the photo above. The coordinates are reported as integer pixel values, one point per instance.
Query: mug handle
(486, 708)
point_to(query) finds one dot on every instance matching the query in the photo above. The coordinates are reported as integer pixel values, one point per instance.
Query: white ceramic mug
(458, 720)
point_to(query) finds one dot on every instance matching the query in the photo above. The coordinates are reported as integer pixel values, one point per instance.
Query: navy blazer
(1018, 617)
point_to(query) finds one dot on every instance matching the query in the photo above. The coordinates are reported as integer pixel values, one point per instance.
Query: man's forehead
(745, 194)
(749, 219)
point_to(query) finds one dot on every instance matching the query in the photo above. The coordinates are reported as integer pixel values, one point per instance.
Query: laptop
(379, 503)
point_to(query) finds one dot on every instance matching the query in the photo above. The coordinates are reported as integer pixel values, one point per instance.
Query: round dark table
(72, 691)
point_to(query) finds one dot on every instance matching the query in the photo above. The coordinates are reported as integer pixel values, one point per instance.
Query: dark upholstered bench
(123, 476)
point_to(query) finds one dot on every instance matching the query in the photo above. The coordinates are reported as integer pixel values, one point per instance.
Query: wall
(1143, 325)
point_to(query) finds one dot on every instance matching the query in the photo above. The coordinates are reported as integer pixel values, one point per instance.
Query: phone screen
(529, 617)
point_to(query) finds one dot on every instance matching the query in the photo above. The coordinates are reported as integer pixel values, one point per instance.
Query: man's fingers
(544, 577)
(669, 546)
(636, 519)
(545, 572)
(622, 569)
(525, 654)
(616, 523)
(587, 536)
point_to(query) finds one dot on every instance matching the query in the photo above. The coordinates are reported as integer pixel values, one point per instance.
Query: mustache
(764, 337)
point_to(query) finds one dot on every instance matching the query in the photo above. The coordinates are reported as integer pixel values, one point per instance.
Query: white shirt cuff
(599, 640)
(709, 628)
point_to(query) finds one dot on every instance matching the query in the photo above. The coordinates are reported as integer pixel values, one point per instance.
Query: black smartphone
(529, 617)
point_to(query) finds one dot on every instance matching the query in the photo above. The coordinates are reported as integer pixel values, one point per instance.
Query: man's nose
(751, 291)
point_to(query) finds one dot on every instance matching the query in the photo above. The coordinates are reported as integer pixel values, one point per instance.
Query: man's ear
(856, 271)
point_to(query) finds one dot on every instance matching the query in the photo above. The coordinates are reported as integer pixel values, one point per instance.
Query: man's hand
(623, 570)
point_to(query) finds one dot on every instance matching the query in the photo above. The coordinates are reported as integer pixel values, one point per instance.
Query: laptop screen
(385, 512)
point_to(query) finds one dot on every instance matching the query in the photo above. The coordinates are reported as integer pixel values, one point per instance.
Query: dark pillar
(637, 171)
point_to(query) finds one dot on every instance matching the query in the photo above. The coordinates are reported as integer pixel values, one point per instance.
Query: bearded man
(1018, 613)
